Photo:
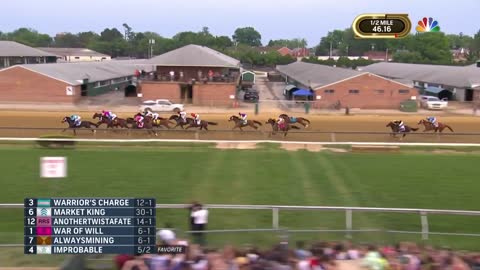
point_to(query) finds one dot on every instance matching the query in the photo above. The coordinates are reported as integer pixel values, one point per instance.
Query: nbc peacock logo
(427, 25)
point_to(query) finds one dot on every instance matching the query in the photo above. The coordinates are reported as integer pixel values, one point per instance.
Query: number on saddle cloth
(78, 123)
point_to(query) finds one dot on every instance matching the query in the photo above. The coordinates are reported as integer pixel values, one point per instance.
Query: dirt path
(320, 130)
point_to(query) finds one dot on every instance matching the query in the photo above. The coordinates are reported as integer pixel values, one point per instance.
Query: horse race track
(180, 173)
(320, 123)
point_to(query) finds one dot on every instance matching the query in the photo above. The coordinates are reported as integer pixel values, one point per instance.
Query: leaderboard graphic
(89, 226)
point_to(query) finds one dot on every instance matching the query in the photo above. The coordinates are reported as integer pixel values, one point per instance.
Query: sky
(274, 19)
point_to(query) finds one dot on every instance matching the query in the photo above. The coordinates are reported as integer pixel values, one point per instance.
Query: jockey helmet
(192, 114)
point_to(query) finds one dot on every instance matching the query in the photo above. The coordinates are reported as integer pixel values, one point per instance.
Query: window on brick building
(379, 91)
(404, 91)
(354, 91)
(329, 91)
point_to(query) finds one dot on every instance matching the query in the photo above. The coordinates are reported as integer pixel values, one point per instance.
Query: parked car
(161, 105)
(251, 95)
(433, 103)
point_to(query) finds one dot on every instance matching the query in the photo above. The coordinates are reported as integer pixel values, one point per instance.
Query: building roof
(12, 49)
(75, 73)
(315, 75)
(72, 52)
(456, 76)
(195, 56)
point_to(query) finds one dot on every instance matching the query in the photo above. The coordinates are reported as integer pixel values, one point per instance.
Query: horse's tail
(256, 122)
(212, 123)
(447, 126)
(93, 124)
(308, 121)
(414, 129)
(295, 127)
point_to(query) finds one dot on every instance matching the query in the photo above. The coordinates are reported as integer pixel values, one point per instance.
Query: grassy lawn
(265, 176)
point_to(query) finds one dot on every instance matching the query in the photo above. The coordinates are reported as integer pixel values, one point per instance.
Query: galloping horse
(83, 124)
(396, 129)
(275, 128)
(429, 126)
(239, 123)
(180, 121)
(118, 122)
(203, 124)
(292, 120)
(156, 123)
(146, 124)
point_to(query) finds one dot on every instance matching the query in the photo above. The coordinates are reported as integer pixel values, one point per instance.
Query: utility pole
(330, 50)
(386, 55)
(150, 43)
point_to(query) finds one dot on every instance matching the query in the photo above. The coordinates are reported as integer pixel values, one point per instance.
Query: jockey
(400, 124)
(280, 121)
(109, 115)
(76, 119)
(139, 119)
(433, 120)
(183, 116)
(196, 117)
(154, 115)
(243, 116)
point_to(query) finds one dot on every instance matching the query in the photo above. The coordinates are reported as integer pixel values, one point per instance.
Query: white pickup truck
(433, 103)
(161, 105)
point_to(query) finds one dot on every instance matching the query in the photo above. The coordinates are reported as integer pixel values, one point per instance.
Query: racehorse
(83, 124)
(146, 124)
(203, 124)
(239, 123)
(292, 120)
(275, 127)
(180, 121)
(118, 122)
(429, 126)
(156, 123)
(396, 129)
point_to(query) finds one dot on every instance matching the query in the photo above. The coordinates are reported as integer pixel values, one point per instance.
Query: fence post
(275, 218)
(348, 223)
(256, 108)
(424, 221)
(333, 137)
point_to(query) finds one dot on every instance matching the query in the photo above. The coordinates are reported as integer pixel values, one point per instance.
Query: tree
(30, 37)
(110, 35)
(247, 36)
(86, 38)
(289, 43)
(67, 40)
(475, 46)
(129, 34)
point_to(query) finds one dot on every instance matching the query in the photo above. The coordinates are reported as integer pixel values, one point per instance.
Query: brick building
(351, 88)
(65, 82)
(462, 81)
(193, 74)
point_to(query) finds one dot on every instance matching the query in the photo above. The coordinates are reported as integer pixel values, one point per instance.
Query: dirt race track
(321, 129)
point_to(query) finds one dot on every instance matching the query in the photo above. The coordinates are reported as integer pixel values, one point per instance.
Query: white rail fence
(348, 230)
(17, 139)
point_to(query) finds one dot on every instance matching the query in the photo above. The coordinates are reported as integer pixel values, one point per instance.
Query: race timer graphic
(381, 26)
